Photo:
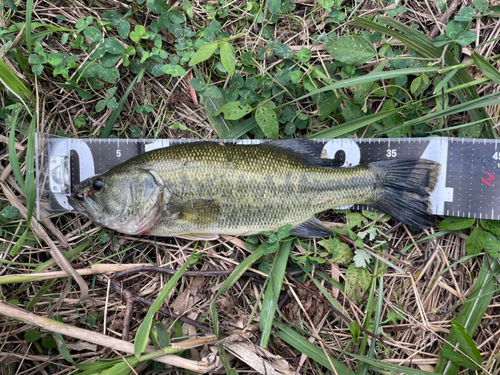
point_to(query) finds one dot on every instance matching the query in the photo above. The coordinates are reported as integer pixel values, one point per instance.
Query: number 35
(391, 153)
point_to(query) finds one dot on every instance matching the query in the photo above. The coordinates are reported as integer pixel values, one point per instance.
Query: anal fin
(199, 236)
(311, 228)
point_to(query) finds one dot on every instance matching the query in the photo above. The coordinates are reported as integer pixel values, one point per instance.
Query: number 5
(118, 153)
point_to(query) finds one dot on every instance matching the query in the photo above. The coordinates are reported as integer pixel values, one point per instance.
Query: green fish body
(204, 189)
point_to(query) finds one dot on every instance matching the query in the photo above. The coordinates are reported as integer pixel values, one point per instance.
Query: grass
(245, 69)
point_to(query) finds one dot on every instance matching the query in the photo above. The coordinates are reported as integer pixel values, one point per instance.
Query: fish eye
(97, 184)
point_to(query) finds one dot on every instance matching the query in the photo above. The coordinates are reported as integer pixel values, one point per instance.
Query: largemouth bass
(205, 189)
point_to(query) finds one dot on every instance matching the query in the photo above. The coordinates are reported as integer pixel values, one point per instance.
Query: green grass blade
(422, 44)
(13, 159)
(486, 68)
(142, 336)
(485, 101)
(116, 112)
(376, 322)
(353, 125)
(231, 280)
(29, 14)
(473, 309)
(445, 80)
(397, 369)
(10, 80)
(358, 81)
(297, 341)
(241, 129)
(273, 289)
(29, 185)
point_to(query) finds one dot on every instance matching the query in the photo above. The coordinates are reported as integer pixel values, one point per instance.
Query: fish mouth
(78, 204)
(85, 205)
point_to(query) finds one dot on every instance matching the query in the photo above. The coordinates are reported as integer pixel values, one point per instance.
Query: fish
(201, 190)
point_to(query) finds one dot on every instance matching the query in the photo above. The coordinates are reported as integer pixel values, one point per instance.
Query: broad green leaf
(48, 342)
(415, 84)
(109, 75)
(123, 28)
(341, 252)
(458, 358)
(492, 226)
(466, 38)
(274, 6)
(227, 57)
(362, 257)
(10, 212)
(454, 28)
(357, 281)
(456, 223)
(355, 331)
(93, 34)
(350, 49)
(492, 245)
(204, 53)
(174, 70)
(111, 45)
(157, 6)
(268, 122)
(176, 17)
(212, 92)
(465, 341)
(112, 17)
(475, 242)
(283, 77)
(233, 110)
(481, 5)
(296, 76)
(304, 55)
(32, 335)
(109, 60)
(283, 51)
(186, 5)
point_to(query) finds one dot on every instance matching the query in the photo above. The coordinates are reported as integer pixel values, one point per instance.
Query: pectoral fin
(200, 212)
(311, 228)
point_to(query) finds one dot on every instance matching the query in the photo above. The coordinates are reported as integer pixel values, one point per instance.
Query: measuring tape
(467, 185)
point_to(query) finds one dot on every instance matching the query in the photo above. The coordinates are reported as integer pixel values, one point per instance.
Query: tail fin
(404, 190)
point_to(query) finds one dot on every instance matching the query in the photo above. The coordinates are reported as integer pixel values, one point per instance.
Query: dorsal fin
(306, 150)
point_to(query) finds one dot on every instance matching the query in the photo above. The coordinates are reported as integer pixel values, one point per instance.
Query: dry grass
(430, 293)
